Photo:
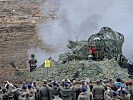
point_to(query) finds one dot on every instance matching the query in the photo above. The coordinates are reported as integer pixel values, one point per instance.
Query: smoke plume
(78, 19)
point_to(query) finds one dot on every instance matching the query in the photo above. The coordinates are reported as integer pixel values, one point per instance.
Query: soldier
(35, 88)
(129, 88)
(31, 92)
(74, 89)
(23, 93)
(4, 94)
(125, 95)
(92, 55)
(9, 86)
(108, 92)
(53, 88)
(26, 94)
(66, 89)
(16, 92)
(32, 63)
(98, 91)
(85, 95)
(115, 96)
(43, 92)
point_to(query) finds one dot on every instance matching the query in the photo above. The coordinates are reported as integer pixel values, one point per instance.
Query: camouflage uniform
(35, 90)
(57, 98)
(130, 89)
(66, 91)
(98, 92)
(25, 95)
(124, 95)
(85, 96)
(53, 90)
(115, 98)
(4, 94)
(108, 95)
(32, 63)
(108, 92)
(9, 87)
(74, 92)
(44, 93)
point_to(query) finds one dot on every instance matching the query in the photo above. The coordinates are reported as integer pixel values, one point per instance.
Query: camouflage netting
(79, 51)
(81, 70)
(107, 44)
(74, 64)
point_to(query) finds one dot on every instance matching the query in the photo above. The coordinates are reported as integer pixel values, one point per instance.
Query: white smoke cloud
(78, 19)
(119, 18)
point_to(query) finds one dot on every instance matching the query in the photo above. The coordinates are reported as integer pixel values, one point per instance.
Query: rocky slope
(18, 33)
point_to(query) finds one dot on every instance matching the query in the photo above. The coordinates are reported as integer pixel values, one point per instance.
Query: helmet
(123, 91)
(32, 55)
(84, 88)
(24, 87)
(114, 93)
(29, 86)
(118, 80)
(66, 84)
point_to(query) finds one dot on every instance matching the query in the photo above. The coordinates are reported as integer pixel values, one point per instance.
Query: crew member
(32, 63)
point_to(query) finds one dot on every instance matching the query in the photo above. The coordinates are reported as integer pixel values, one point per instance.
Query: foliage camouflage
(81, 70)
(79, 51)
(75, 64)
(107, 44)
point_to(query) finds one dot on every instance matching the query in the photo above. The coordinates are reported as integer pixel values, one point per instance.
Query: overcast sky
(78, 19)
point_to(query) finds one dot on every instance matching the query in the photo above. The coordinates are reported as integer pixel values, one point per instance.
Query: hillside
(18, 33)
